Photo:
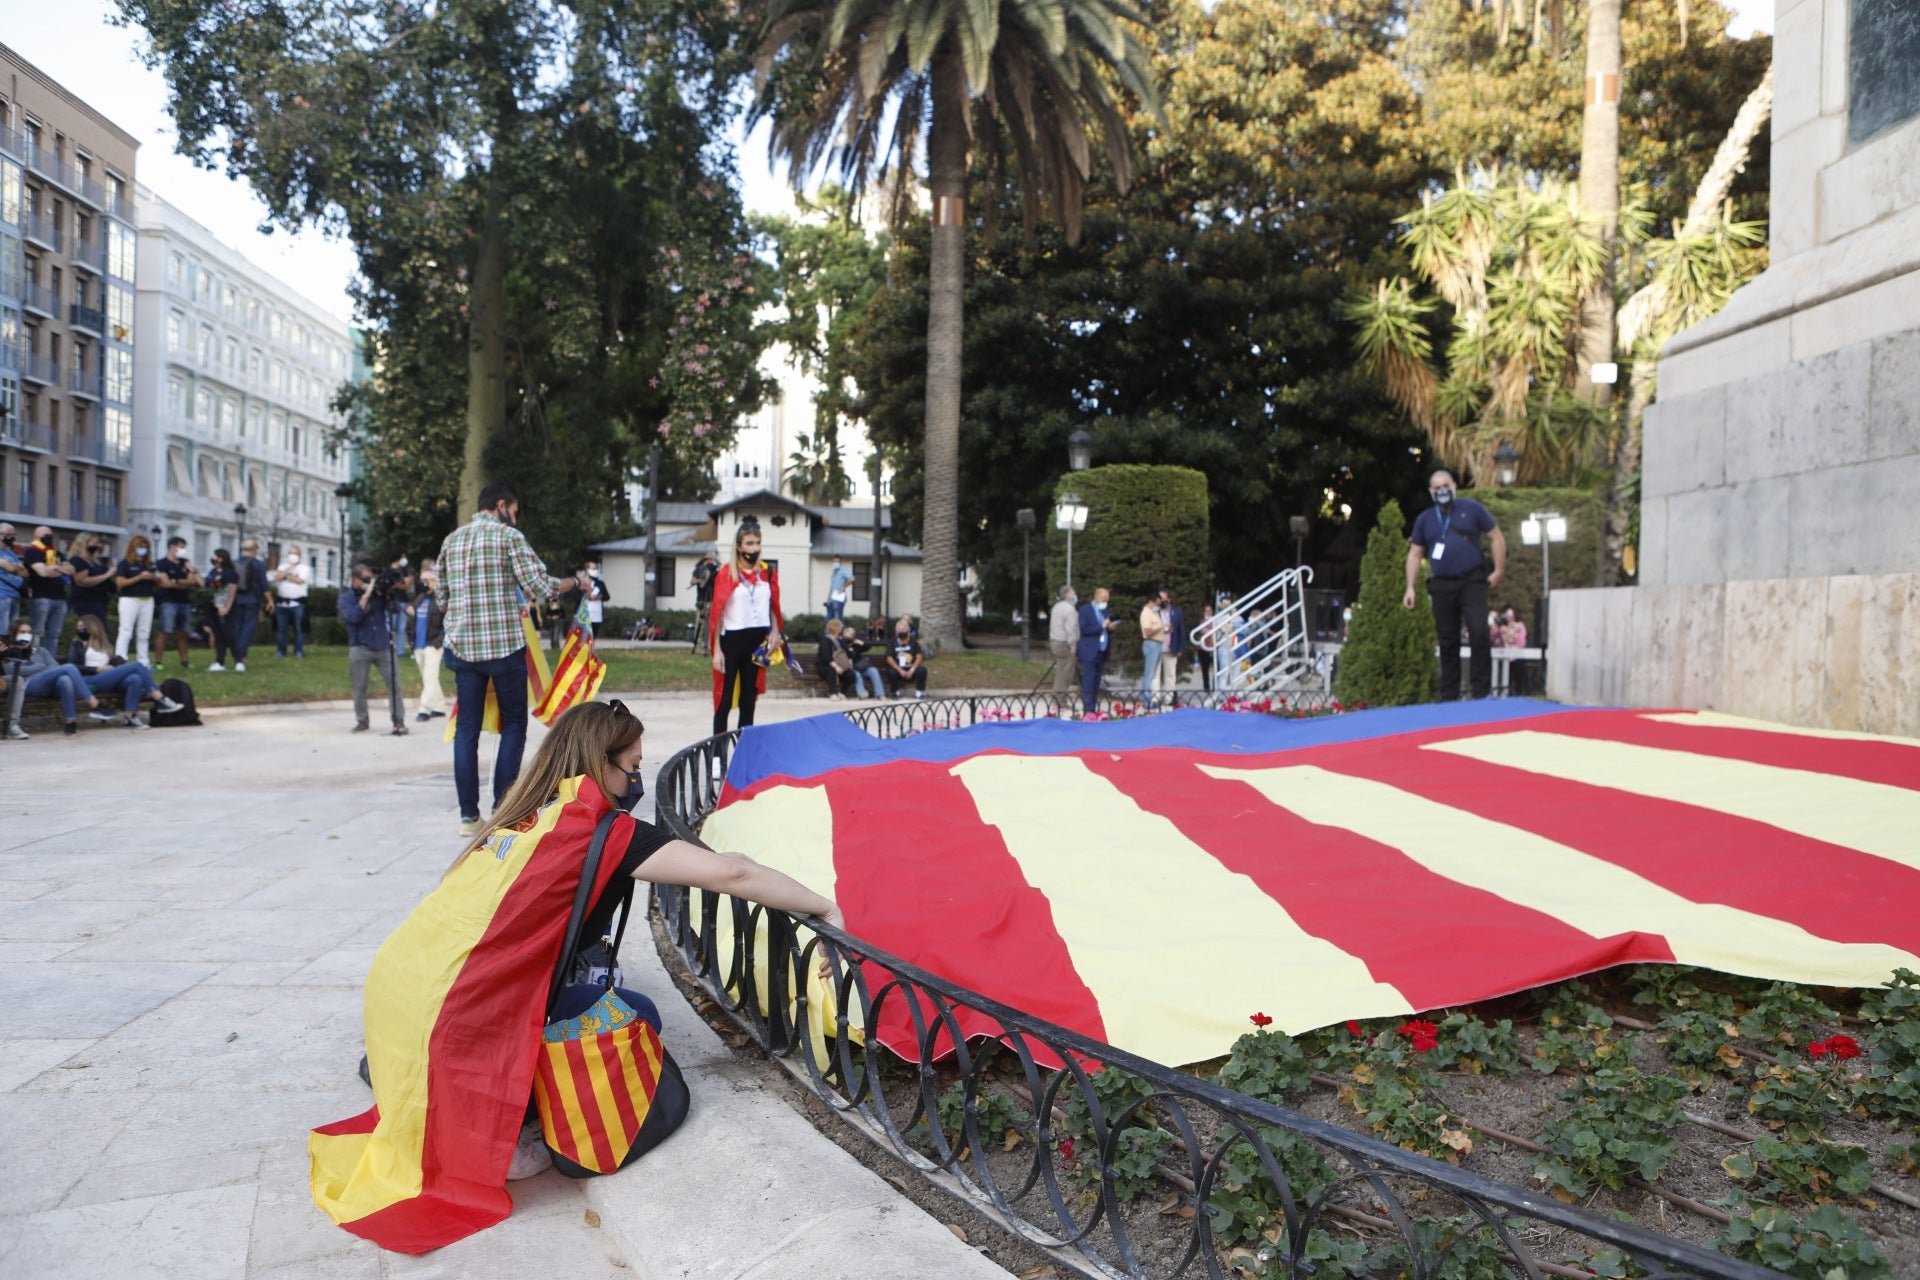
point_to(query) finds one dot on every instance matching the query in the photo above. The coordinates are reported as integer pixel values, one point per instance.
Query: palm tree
(815, 474)
(1600, 187)
(867, 85)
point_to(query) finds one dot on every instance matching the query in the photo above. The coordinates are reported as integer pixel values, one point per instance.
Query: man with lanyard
(1447, 534)
(486, 566)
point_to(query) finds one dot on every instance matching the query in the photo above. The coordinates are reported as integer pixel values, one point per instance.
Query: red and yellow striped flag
(594, 1092)
(539, 684)
(578, 673)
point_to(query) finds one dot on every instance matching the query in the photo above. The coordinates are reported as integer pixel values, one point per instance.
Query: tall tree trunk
(486, 348)
(940, 534)
(1600, 187)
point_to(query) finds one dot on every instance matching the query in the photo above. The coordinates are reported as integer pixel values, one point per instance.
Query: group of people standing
(1080, 637)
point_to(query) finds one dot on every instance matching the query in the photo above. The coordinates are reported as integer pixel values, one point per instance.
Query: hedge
(1388, 660)
(1146, 529)
(1580, 561)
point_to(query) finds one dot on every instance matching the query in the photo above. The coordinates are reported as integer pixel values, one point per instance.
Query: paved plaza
(186, 918)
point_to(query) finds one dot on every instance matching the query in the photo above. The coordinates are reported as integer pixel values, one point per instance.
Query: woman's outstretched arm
(736, 875)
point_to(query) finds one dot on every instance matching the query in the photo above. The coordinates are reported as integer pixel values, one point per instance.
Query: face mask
(751, 557)
(1441, 497)
(141, 554)
(403, 562)
(635, 790)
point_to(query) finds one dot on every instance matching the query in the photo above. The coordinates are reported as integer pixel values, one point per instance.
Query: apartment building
(67, 251)
(234, 379)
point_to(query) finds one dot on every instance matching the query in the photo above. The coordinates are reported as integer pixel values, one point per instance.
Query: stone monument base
(1839, 652)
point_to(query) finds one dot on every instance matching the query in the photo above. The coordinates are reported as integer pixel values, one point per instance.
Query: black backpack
(181, 692)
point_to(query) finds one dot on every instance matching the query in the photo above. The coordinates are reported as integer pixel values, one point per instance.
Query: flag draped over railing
(539, 683)
(577, 674)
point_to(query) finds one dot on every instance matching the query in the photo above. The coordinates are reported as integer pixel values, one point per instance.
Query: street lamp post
(1544, 528)
(342, 499)
(1070, 515)
(1024, 519)
(1079, 451)
(1299, 526)
(240, 519)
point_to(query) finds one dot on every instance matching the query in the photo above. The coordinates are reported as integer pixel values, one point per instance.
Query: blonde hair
(749, 526)
(583, 739)
(91, 628)
(835, 626)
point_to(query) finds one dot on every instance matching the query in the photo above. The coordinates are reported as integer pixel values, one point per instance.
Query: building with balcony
(235, 377)
(66, 307)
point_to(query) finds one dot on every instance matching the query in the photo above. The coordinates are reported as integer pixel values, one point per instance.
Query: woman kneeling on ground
(457, 995)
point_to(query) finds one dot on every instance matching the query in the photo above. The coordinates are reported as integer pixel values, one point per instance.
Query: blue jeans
(173, 616)
(869, 675)
(9, 610)
(836, 609)
(67, 681)
(49, 615)
(1149, 666)
(286, 617)
(133, 680)
(508, 676)
(240, 620)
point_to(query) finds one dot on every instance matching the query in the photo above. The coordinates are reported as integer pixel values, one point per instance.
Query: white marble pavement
(186, 917)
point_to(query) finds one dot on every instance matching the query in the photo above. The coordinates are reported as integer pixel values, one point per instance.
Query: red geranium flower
(1839, 1048)
(1353, 1029)
(1423, 1035)
(1260, 1020)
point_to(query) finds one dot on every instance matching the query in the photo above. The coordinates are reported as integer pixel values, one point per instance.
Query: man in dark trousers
(1096, 641)
(1447, 535)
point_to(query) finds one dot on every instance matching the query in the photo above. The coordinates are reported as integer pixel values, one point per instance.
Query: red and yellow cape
(455, 1000)
(723, 584)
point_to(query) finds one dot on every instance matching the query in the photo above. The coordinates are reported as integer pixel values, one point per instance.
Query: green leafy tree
(815, 474)
(868, 81)
(1196, 322)
(1388, 659)
(427, 133)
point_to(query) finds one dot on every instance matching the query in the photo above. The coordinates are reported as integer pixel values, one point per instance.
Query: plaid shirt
(486, 566)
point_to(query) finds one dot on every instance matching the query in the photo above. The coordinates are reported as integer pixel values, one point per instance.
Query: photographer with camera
(391, 589)
(31, 672)
(370, 646)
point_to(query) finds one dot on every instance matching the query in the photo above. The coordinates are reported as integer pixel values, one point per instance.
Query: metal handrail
(1266, 629)
(896, 1105)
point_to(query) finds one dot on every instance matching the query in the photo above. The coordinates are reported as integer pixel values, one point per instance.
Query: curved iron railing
(1241, 1186)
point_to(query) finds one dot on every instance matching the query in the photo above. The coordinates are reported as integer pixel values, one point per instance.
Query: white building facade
(234, 375)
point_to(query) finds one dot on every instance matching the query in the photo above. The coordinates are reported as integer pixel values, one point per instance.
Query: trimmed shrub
(1389, 659)
(1580, 561)
(1146, 529)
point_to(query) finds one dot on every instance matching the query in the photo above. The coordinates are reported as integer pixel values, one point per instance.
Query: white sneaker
(216, 667)
(167, 704)
(530, 1155)
(103, 715)
(135, 722)
(239, 666)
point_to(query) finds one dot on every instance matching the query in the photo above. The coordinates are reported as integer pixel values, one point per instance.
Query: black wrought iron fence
(1114, 1165)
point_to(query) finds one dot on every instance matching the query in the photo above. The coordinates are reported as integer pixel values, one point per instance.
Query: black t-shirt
(99, 592)
(906, 656)
(647, 841)
(127, 569)
(174, 571)
(39, 587)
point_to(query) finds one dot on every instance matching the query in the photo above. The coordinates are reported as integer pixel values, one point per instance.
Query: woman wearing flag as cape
(456, 996)
(745, 618)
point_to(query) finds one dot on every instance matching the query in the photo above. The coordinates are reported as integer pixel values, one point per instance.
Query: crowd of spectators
(852, 665)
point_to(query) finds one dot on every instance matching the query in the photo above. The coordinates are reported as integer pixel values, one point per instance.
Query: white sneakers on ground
(167, 704)
(216, 667)
(240, 666)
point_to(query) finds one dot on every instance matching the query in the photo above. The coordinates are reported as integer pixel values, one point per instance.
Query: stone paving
(186, 917)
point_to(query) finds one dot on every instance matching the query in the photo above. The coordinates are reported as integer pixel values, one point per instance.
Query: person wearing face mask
(39, 676)
(250, 586)
(291, 582)
(486, 568)
(1063, 635)
(13, 577)
(1447, 536)
(906, 663)
(93, 578)
(370, 648)
(137, 579)
(501, 912)
(174, 580)
(48, 573)
(745, 615)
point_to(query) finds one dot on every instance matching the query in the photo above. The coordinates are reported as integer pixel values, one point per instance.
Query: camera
(384, 584)
(12, 650)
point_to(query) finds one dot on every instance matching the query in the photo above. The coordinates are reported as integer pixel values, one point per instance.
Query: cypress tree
(1388, 659)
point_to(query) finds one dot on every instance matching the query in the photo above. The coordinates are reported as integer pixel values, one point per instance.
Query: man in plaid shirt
(486, 568)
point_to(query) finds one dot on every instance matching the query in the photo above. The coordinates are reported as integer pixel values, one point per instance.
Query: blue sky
(73, 41)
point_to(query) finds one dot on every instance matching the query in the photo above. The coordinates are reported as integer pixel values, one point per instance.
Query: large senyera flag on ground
(1151, 883)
